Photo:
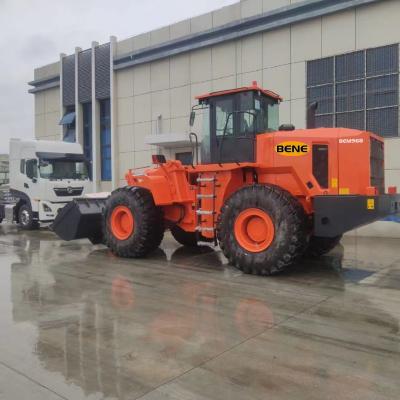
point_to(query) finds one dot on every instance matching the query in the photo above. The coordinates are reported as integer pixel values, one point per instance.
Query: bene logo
(292, 149)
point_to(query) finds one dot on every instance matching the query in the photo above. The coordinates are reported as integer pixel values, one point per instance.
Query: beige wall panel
(252, 53)
(392, 178)
(392, 154)
(40, 125)
(298, 112)
(142, 159)
(180, 29)
(125, 46)
(180, 125)
(52, 121)
(159, 36)
(306, 40)
(285, 112)
(248, 78)
(126, 162)
(270, 5)
(160, 104)
(125, 111)
(47, 71)
(249, 8)
(142, 108)
(226, 83)
(141, 41)
(180, 70)
(141, 79)
(52, 100)
(224, 60)
(125, 80)
(276, 48)
(201, 23)
(40, 103)
(298, 80)
(226, 15)
(180, 101)
(338, 33)
(277, 79)
(378, 24)
(125, 138)
(141, 130)
(200, 65)
(160, 75)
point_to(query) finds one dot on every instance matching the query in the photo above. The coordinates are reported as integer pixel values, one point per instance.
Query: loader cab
(232, 120)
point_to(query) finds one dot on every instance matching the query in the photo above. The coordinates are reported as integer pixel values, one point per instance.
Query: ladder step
(203, 229)
(206, 196)
(204, 212)
(206, 179)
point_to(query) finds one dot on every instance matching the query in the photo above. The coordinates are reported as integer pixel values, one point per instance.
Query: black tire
(318, 246)
(25, 218)
(188, 239)
(290, 224)
(148, 226)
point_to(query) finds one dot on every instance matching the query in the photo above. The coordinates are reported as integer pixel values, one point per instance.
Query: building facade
(125, 100)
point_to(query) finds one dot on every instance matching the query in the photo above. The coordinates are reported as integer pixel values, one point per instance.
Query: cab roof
(254, 87)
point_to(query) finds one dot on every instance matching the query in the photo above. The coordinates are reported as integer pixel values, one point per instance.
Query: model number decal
(351, 141)
(292, 149)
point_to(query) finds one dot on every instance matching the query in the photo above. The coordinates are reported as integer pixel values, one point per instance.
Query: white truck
(44, 177)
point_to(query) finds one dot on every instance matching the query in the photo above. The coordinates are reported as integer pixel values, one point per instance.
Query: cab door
(232, 129)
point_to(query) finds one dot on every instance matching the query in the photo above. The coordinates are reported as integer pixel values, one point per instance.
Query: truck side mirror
(192, 118)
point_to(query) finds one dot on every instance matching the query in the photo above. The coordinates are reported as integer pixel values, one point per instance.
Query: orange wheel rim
(254, 230)
(122, 222)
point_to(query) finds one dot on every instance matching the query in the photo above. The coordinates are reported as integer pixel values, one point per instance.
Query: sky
(34, 32)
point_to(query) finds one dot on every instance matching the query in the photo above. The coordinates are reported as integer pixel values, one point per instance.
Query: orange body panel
(174, 186)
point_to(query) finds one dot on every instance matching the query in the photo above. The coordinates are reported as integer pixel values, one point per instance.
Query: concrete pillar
(113, 101)
(96, 165)
(62, 109)
(78, 106)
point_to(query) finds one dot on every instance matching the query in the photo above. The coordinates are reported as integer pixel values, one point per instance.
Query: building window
(68, 124)
(358, 90)
(87, 134)
(185, 158)
(105, 139)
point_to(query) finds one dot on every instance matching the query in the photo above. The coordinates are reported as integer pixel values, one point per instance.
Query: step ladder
(206, 184)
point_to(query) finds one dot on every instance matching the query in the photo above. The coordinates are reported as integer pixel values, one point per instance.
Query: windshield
(63, 169)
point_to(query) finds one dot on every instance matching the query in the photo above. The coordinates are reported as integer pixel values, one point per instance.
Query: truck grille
(68, 191)
(377, 165)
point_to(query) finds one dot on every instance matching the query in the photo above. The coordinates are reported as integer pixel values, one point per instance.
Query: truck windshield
(63, 169)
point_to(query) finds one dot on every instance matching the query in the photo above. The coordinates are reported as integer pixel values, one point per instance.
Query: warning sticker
(371, 204)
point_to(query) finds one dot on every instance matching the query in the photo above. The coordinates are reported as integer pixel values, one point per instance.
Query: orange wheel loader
(267, 194)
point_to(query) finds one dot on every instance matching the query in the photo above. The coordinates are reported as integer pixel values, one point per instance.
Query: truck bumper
(335, 215)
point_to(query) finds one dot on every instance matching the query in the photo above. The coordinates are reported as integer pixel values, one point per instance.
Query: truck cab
(44, 177)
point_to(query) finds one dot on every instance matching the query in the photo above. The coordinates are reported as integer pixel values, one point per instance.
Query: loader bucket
(80, 219)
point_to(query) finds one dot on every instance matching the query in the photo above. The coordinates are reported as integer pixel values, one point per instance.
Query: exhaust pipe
(311, 110)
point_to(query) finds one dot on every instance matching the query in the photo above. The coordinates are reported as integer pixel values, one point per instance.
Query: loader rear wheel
(133, 225)
(318, 246)
(262, 230)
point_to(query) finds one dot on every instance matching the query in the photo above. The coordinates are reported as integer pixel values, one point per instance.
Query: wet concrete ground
(78, 323)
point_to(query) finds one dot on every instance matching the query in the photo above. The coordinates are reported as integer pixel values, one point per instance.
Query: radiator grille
(377, 165)
(69, 191)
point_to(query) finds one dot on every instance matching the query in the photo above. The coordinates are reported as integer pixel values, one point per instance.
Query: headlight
(46, 208)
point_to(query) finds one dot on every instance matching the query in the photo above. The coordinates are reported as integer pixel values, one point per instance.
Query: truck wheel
(188, 239)
(25, 218)
(262, 230)
(133, 225)
(318, 246)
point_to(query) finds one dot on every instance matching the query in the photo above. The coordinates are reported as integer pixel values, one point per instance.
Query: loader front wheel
(133, 225)
(262, 230)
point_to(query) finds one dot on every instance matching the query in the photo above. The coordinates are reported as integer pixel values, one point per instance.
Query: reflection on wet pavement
(78, 323)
